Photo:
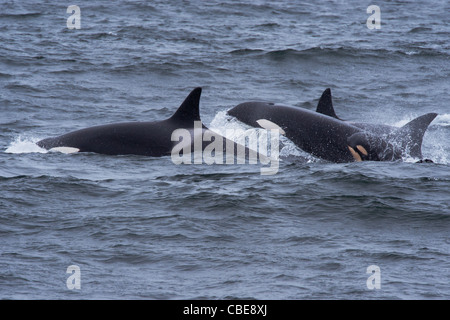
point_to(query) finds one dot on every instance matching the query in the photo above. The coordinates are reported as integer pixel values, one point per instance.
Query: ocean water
(145, 228)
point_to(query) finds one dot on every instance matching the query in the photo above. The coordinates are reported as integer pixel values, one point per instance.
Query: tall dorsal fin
(325, 105)
(189, 110)
(411, 134)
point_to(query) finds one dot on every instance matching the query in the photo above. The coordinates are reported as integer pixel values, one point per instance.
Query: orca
(325, 136)
(139, 138)
(155, 139)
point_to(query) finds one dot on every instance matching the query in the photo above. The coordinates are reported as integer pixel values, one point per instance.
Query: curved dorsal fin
(325, 105)
(189, 110)
(411, 134)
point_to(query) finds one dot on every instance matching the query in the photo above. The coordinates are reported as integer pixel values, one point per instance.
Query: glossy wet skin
(335, 140)
(315, 133)
(139, 138)
(368, 147)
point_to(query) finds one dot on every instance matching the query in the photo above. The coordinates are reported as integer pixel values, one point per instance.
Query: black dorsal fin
(411, 134)
(325, 105)
(189, 110)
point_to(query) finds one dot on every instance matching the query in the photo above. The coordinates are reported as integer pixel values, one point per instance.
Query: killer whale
(139, 138)
(324, 135)
(154, 139)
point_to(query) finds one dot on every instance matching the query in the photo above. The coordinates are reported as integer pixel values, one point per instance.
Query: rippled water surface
(145, 228)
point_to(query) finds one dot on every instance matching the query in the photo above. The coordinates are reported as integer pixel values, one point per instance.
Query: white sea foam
(231, 128)
(435, 142)
(442, 120)
(25, 145)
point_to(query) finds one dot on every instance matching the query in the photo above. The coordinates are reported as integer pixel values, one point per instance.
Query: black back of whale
(315, 133)
(139, 138)
(327, 137)
(154, 138)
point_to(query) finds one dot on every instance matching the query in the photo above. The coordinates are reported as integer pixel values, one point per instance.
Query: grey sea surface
(145, 228)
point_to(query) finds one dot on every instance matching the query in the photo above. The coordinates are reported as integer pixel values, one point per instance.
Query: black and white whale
(324, 135)
(183, 136)
(183, 132)
(139, 138)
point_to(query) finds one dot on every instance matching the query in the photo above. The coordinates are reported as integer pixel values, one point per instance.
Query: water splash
(436, 140)
(442, 120)
(231, 128)
(25, 145)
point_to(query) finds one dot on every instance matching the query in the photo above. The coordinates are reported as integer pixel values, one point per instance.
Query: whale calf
(325, 136)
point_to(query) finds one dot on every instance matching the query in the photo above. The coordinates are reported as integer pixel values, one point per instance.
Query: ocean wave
(20, 15)
(442, 120)
(419, 29)
(339, 51)
(5, 75)
(22, 87)
(246, 51)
